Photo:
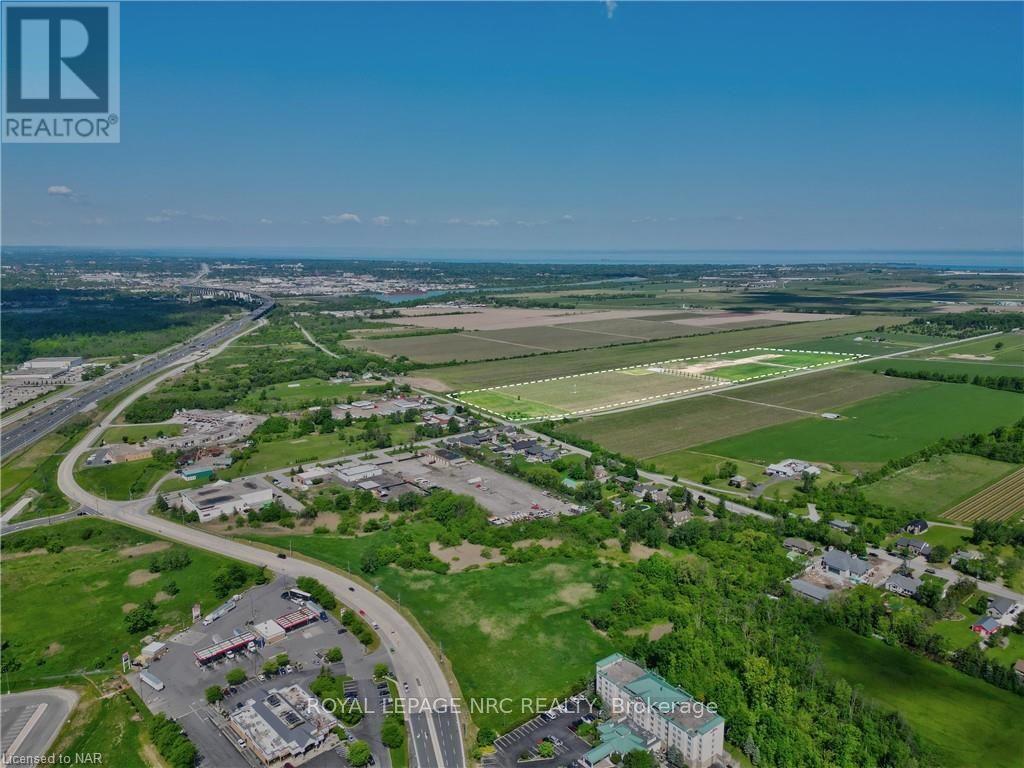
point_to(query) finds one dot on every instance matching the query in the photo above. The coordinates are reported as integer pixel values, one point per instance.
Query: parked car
(282, 555)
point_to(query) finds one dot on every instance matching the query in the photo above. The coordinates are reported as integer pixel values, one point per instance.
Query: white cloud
(568, 218)
(266, 221)
(157, 219)
(208, 217)
(60, 190)
(610, 6)
(97, 221)
(341, 218)
(410, 222)
(172, 213)
(382, 221)
(484, 223)
(455, 221)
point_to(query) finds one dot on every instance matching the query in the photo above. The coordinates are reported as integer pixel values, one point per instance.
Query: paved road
(411, 658)
(919, 565)
(32, 720)
(48, 520)
(31, 429)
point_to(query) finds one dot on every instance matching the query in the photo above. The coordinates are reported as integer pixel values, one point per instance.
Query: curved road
(436, 731)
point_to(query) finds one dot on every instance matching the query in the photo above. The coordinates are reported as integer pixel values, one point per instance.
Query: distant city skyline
(547, 126)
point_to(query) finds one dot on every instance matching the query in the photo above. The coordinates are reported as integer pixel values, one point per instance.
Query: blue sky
(544, 125)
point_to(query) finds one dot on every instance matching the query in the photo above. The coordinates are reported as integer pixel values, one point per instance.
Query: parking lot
(500, 494)
(556, 727)
(183, 697)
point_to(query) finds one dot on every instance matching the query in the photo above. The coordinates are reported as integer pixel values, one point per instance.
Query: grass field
(515, 630)
(294, 393)
(127, 480)
(277, 454)
(1011, 352)
(954, 715)
(136, 433)
(880, 429)
(94, 580)
(587, 393)
(109, 726)
(1003, 500)
(930, 487)
(667, 427)
(493, 373)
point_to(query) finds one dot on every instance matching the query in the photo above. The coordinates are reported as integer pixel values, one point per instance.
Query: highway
(32, 428)
(436, 733)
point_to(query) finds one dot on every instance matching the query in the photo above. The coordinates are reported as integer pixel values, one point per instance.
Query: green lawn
(129, 479)
(879, 429)
(513, 630)
(954, 538)
(693, 466)
(745, 371)
(136, 433)
(63, 612)
(1011, 351)
(931, 487)
(964, 721)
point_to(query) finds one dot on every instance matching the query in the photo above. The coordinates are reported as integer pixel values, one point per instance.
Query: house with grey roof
(906, 586)
(999, 606)
(916, 546)
(844, 564)
(810, 591)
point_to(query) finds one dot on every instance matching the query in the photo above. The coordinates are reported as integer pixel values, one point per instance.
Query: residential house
(843, 525)
(790, 468)
(999, 606)
(800, 546)
(844, 564)
(738, 481)
(916, 546)
(903, 585)
(1018, 669)
(810, 591)
(916, 526)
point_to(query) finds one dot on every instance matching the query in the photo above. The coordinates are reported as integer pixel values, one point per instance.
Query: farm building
(789, 468)
(986, 627)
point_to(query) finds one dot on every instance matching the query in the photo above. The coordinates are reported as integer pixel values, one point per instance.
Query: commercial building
(238, 496)
(314, 476)
(616, 739)
(280, 723)
(67, 363)
(357, 473)
(658, 713)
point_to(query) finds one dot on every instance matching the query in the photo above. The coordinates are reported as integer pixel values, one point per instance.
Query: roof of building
(219, 493)
(840, 560)
(615, 737)
(987, 623)
(904, 583)
(658, 694)
(906, 541)
(1000, 603)
(275, 723)
(813, 591)
(794, 543)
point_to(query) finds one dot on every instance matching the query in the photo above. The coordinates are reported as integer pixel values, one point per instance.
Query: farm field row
(946, 366)
(1002, 501)
(513, 371)
(879, 429)
(668, 427)
(930, 487)
(590, 392)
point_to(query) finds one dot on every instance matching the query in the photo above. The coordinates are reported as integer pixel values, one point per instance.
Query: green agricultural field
(952, 713)
(123, 481)
(509, 404)
(1011, 351)
(513, 630)
(668, 427)
(744, 371)
(931, 487)
(101, 573)
(694, 466)
(492, 373)
(946, 366)
(880, 429)
(136, 433)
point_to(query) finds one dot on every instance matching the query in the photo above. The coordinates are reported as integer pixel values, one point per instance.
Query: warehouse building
(238, 496)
